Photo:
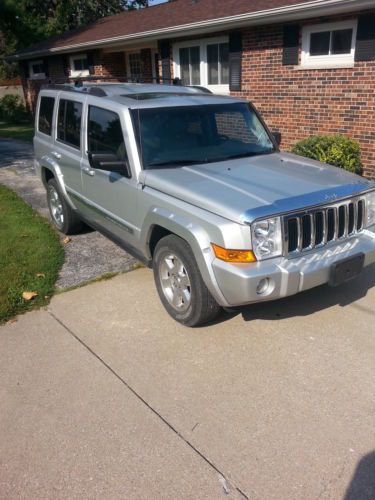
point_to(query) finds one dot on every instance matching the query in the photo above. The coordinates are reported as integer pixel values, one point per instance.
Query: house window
(203, 62)
(36, 69)
(190, 65)
(329, 44)
(218, 64)
(134, 66)
(79, 65)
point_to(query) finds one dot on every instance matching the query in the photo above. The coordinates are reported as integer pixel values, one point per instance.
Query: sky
(155, 2)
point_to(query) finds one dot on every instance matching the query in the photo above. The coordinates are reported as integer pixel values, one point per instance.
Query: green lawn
(25, 131)
(30, 256)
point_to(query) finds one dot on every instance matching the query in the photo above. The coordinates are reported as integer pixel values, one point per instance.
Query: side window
(105, 133)
(69, 122)
(46, 115)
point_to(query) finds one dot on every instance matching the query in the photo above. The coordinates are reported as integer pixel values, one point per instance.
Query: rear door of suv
(69, 139)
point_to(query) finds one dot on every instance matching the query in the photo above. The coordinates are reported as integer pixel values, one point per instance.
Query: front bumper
(238, 282)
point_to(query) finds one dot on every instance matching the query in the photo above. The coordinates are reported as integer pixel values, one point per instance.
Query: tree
(25, 22)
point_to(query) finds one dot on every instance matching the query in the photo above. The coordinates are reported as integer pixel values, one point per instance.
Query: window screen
(190, 65)
(135, 66)
(341, 41)
(80, 64)
(319, 43)
(218, 63)
(69, 122)
(324, 43)
(46, 115)
(105, 132)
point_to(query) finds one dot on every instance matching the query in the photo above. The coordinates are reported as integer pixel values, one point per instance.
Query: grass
(31, 256)
(24, 131)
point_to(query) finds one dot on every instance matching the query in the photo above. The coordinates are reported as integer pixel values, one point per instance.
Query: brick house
(309, 66)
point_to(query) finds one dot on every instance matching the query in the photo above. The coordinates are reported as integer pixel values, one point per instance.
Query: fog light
(263, 286)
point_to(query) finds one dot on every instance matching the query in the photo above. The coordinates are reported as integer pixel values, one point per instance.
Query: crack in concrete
(225, 483)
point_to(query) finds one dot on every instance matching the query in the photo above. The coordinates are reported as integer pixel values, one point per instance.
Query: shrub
(12, 109)
(336, 150)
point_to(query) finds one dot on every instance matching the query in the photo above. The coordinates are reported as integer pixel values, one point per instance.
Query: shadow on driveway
(15, 153)
(362, 485)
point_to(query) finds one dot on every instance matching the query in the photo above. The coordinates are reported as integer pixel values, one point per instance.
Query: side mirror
(277, 137)
(109, 162)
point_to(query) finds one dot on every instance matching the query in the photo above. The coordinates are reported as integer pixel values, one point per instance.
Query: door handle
(88, 171)
(56, 155)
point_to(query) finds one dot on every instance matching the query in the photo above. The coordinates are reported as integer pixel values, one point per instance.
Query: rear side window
(46, 115)
(105, 133)
(69, 122)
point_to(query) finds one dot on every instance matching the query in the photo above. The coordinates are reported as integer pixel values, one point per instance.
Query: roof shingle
(162, 16)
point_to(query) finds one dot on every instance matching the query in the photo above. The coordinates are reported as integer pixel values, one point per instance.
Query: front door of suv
(110, 197)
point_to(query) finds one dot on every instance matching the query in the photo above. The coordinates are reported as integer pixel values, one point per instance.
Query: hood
(245, 189)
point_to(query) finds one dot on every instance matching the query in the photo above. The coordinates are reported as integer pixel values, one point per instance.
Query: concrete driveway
(88, 255)
(104, 396)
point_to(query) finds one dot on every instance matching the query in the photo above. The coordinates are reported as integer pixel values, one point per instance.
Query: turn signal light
(233, 255)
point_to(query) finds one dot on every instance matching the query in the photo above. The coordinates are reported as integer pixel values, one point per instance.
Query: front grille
(323, 225)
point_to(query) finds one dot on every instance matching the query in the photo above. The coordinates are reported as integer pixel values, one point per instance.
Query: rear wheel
(180, 285)
(63, 216)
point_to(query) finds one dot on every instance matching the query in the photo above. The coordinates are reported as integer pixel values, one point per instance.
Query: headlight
(267, 238)
(370, 203)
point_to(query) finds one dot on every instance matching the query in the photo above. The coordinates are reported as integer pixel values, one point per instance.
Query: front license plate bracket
(346, 269)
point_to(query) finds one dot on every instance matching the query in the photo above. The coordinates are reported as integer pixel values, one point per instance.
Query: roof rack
(97, 91)
(78, 85)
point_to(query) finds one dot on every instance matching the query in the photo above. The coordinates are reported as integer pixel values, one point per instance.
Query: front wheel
(180, 285)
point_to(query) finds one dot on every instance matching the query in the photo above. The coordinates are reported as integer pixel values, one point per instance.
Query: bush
(12, 109)
(336, 150)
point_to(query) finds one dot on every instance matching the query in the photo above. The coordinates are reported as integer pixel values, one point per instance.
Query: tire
(62, 215)
(180, 285)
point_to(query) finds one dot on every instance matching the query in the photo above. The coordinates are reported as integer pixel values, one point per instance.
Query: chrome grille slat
(336, 223)
(321, 226)
(325, 226)
(299, 233)
(356, 209)
(312, 225)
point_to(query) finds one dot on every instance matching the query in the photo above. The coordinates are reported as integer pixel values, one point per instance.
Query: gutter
(312, 8)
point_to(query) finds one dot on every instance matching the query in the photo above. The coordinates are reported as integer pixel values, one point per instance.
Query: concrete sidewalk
(104, 396)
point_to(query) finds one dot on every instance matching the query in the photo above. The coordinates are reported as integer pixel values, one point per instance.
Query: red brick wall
(300, 103)
(111, 65)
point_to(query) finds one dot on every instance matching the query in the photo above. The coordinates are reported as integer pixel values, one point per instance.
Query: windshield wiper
(240, 155)
(175, 163)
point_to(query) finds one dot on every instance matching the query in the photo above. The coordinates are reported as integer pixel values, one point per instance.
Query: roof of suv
(140, 95)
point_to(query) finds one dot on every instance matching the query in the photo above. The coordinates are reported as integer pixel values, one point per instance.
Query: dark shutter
(65, 61)
(290, 44)
(365, 45)
(25, 67)
(165, 56)
(235, 61)
(90, 63)
(45, 67)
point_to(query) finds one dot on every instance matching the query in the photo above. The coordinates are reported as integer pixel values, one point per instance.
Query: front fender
(195, 235)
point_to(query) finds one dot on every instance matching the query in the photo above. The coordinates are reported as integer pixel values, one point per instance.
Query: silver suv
(194, 185)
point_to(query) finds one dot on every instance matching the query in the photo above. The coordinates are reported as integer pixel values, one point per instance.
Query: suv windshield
(189, 135)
